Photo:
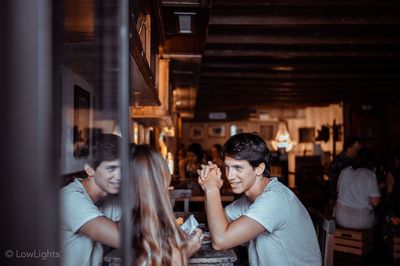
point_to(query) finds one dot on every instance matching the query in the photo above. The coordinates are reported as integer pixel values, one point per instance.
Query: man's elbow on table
(220, 244)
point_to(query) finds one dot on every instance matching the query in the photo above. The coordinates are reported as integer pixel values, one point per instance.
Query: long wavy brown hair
(155, 232)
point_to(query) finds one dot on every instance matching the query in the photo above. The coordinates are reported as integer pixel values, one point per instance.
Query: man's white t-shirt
(356, 186)
(77, 209)
(290, 238)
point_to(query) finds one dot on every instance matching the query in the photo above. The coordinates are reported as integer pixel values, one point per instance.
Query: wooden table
(205, 257)
(208, 256)
(224, 198)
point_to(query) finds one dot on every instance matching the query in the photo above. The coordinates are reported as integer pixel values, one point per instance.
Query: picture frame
(216, 131)
(196, 132)
(81, 128)
(306, 134)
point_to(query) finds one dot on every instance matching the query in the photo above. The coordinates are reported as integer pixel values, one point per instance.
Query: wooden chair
(325, 229)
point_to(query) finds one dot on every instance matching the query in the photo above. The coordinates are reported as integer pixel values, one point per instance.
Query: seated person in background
(393, 184)
(358, 193)
(188, 167)
(216, 159)
(156, 238)
(351, 146)
(89, 212)
(269, 216)
(194, 157)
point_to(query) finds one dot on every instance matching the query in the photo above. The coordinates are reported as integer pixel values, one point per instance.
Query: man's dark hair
(350, 141)
(364, 159)
(249, 147)
(105, 147)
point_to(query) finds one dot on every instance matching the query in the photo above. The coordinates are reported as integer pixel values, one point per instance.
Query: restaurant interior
(304, 75)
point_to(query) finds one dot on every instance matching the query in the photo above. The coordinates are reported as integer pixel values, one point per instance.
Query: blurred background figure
(194, 158)
(351, 146)
(216, 158)
(216, 155)
(358, 193)
(393, 184)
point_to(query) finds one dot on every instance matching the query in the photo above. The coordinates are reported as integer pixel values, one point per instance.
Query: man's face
(107, 176)
(240, 174)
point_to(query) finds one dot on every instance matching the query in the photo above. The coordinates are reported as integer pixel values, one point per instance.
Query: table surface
(224, 198)
(206, 255)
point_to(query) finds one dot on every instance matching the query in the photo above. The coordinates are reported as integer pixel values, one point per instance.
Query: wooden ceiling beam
(241, 38)
(290, 76)
(291, 3)
(297, 54)
(299, 67)
(261, 20)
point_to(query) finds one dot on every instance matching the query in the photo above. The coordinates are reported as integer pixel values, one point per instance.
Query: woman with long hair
(157, 239)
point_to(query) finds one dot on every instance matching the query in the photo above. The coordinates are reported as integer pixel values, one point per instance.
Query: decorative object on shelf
(216, 131)
(237, 129)
(282, 139)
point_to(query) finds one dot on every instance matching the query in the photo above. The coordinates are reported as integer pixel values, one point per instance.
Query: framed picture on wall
(216, 131)
(196, 132)
(81, 128)
(306, 134)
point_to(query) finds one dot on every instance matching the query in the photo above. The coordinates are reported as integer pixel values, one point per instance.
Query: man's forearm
(216, 218)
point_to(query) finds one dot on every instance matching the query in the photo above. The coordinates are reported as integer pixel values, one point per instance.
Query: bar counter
(206, 256)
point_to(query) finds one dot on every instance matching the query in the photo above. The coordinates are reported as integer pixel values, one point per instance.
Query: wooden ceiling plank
(296, 54)
(292, 3)
(275, 20)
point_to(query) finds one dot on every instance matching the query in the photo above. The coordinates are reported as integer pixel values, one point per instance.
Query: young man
(269, 217)
(89, 212)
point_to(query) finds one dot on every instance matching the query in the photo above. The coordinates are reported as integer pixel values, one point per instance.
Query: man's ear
(88, 169)
(260, 169)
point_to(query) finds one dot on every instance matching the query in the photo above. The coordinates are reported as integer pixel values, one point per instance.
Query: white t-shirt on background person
(290, 238)
(77, 209)
(356, 186)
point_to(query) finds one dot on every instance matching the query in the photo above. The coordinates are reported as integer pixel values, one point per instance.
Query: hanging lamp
(282, 139)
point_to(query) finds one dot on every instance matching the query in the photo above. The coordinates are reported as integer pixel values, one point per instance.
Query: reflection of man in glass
(89, 213)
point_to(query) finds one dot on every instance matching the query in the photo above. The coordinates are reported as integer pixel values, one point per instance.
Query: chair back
(325, 229)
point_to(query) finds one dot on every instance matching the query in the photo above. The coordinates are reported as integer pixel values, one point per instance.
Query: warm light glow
(170, 161)
(282, 139)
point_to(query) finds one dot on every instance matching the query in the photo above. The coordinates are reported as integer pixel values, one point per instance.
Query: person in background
(393, 184)
(351, 146)
(216, 155)
(194, 157)
(89, 207)
(358, 193)
(156, 238)
(268, 217)
(216, 159)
